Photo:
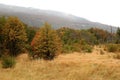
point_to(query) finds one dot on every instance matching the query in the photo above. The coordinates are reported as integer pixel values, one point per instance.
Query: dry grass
(76, 66)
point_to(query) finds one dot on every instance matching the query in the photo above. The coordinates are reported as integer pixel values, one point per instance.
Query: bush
(46, 44)
(8, 62)
(112, 47)
(102, 52)
(117, 56)
(68, 48)
(77, 48)
(15, 36)
(86, 48)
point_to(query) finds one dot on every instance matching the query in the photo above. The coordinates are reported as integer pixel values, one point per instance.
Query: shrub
(117, 56)
(86, 48)
(8, 62)
(77, 48)
(46, 44)
(14, 36)
(112, 47)
(68, 48)
(102, 52)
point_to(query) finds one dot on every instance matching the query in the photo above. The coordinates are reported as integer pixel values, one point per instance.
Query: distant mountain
(36, 17)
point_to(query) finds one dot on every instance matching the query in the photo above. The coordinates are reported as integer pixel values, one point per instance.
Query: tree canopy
(15, 35)
(46, 43)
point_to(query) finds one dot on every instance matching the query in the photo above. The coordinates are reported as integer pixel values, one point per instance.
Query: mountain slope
(36, 17)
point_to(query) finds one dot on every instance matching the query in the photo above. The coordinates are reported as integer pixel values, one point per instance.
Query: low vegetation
(8, 62)
(74, 66)
(113, 47)
(117, 56)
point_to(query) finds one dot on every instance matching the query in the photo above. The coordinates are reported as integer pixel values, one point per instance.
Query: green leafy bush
(8, 62)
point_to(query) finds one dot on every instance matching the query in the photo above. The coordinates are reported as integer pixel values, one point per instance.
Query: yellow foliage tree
(46, 43)
(15, 35)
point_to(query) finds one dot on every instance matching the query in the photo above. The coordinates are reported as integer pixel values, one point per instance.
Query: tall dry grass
(76, 66)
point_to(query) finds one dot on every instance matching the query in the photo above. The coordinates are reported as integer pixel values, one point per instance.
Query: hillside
(36, 17)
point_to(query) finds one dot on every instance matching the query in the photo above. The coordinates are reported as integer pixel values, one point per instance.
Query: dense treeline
(76, 40)
(17, 37)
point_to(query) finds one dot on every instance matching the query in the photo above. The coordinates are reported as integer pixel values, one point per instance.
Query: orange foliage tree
(46, 43)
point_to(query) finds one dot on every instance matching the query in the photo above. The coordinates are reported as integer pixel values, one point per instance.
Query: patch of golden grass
(76, 66)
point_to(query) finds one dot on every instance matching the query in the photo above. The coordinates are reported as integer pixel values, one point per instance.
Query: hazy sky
(103, 11)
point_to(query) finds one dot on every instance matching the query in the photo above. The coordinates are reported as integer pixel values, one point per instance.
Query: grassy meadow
(72, 66)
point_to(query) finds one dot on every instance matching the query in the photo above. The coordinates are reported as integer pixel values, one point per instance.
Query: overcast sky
(103, 11)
